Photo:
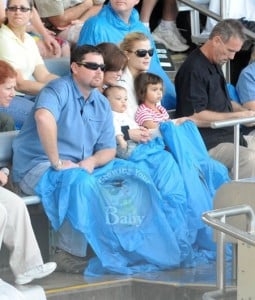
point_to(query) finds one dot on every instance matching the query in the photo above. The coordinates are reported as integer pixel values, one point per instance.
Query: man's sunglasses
(143, 52)
(92, 66)
(16, 8)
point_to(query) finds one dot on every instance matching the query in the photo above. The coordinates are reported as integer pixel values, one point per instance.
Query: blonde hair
(129, 40)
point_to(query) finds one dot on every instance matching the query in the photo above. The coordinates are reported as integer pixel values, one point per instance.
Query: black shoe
(248, 24)
(69, 263)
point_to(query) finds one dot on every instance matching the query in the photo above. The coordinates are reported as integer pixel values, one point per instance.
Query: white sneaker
(36, 273)
(178, 34)
(169, 39)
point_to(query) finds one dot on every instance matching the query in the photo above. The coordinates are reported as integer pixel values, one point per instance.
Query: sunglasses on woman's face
(16, 8)
(143, 52)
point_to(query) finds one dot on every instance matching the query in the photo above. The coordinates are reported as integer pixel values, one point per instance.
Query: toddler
(149, 92)
(117, 96)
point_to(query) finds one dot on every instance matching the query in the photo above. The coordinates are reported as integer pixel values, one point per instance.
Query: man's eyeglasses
(92, 66)
(143, 52)
(16, 8)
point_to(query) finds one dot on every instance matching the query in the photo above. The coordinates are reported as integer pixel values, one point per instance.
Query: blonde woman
(139, 51)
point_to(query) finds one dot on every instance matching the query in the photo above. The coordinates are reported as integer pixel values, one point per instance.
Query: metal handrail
(236, 123)
(232, 122)
(208, 13)
(202, 9)
(212, 219)
(217, 219)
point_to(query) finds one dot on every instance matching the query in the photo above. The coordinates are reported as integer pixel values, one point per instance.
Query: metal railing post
(236, 123)
(217, 220)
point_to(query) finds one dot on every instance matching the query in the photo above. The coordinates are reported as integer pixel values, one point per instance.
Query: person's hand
(123, 144)
(76, 22)
(247, 114)
(68, 164)
(140, 135)
(88, 164)
(50, 32)
(3, 178)
(181, 120)
(52, 45)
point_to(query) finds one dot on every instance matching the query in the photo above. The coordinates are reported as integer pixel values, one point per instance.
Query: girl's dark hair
(141, 83)
(114, 58)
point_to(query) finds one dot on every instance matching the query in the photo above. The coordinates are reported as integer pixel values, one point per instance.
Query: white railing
(205, 11)
(236, 123)
(217, 220)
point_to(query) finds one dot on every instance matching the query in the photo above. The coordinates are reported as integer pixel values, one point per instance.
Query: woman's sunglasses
(16, 8)
(142, 52)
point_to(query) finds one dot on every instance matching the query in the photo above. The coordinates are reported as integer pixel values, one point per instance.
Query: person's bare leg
(170, 10)
(71, 33)
(167, 32)
(146, 10)
(169, 14)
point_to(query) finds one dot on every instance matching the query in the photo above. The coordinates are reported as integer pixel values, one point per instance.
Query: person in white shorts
(16, 231)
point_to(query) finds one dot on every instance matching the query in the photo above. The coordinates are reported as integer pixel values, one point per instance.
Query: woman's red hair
(6, 71)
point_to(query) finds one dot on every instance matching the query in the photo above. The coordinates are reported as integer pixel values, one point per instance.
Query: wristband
(98, 2)
(57, 166)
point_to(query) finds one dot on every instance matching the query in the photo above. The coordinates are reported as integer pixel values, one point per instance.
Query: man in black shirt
(202, 93)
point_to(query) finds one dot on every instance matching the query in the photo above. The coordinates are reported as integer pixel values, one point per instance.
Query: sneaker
(69, 263)
(36, 273)
(169, 39)
(178, 34)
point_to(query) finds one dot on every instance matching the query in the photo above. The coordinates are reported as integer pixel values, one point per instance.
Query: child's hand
(181, 120)
(123, 145)
(3, 178)
(140, 135)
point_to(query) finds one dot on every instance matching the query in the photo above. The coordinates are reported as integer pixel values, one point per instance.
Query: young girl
(149, 92)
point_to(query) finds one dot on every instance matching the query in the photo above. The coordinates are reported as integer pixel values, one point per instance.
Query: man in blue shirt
(70, 126)
(114, 21)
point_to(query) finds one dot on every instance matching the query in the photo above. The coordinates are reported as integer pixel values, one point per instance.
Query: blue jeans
(19, 109)
(70, 240)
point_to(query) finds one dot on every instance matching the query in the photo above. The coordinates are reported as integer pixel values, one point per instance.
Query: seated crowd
(113, 102)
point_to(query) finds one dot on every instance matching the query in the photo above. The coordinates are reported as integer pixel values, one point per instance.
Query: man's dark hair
(228, 28)
(78, 52)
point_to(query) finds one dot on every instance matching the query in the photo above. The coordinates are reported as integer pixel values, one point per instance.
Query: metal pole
(221, 259)
(236, 152)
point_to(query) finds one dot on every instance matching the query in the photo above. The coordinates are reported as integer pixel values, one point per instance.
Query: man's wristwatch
(58, 165)
(98, 2)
